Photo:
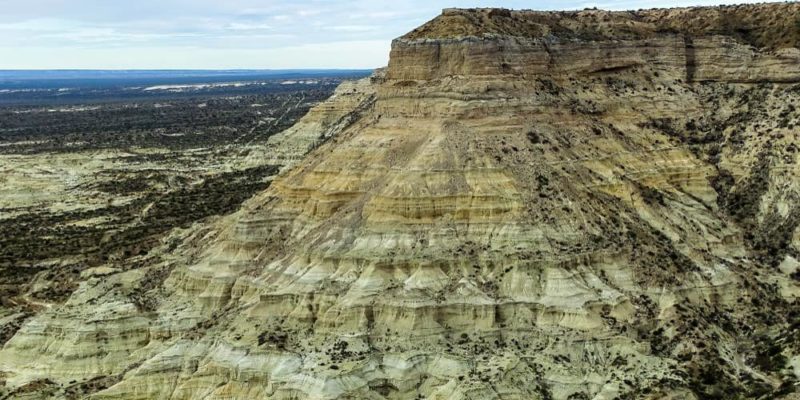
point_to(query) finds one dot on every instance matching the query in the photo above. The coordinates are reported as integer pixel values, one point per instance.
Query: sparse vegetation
(158, 200)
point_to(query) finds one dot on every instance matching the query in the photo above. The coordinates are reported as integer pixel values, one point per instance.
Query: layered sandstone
(326, 120)
(734, 44)
(528, 205)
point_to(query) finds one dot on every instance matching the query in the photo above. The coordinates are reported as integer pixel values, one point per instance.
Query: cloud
(239, 26)
(309, 13)
(378, 15)
(352, 28)
(39, 25)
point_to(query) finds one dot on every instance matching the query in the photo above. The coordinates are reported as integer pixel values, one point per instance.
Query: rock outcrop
(527, 205)
(328, 119)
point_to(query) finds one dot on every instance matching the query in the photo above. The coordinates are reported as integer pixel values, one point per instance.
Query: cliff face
(348, 103)
(527, 205)
(733, 44)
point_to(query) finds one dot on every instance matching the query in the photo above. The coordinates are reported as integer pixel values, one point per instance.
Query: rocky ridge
(527, 205)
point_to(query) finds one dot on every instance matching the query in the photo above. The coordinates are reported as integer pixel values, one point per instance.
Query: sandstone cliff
(529, 205)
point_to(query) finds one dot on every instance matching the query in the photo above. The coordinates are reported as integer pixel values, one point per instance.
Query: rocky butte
(523, 205)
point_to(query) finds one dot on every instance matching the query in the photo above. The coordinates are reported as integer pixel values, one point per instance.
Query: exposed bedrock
(713, 58)
(546, 214)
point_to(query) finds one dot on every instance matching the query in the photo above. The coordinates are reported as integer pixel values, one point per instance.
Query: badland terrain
(522, 205)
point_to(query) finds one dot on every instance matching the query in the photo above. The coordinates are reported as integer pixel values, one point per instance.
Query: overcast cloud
(228, 34)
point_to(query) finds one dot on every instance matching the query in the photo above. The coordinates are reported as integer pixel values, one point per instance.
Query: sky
(229, 34)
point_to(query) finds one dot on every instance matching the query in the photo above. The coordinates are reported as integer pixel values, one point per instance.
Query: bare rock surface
(527, 205)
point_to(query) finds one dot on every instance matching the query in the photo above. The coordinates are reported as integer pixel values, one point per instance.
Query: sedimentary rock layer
(516, 211)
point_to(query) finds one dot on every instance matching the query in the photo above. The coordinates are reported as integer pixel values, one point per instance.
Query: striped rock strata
(581, 205)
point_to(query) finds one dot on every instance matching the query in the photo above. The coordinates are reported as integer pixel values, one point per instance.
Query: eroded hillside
(526, 205)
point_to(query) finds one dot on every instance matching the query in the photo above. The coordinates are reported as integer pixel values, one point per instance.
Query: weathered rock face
(516, 210)
(347, 105)
(715, 58)
(727, 45)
